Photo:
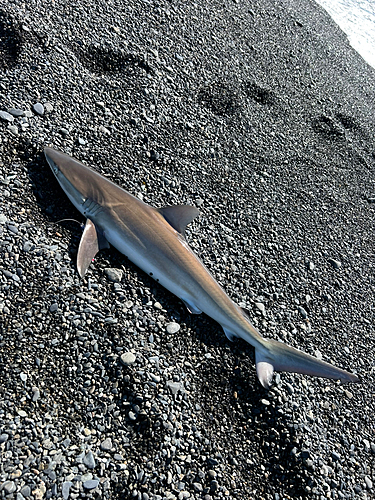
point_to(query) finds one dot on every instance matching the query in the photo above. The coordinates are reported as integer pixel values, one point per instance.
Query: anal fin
(91, 242)
(192, 308)
(230, 335)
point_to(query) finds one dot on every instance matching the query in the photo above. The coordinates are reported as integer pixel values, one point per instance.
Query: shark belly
(179, 281)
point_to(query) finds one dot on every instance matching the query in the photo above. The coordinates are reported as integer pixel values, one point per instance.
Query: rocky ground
(259, 113)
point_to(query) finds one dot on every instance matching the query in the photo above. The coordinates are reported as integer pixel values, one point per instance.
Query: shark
(154, 240)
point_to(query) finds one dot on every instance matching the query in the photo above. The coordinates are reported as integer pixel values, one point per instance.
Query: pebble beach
(261, 115)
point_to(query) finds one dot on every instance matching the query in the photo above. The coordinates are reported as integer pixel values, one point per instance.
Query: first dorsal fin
(179, 216)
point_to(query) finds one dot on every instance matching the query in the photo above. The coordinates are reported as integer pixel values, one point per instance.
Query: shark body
(154, 240)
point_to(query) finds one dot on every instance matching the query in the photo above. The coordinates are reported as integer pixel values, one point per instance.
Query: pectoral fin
(91, 242)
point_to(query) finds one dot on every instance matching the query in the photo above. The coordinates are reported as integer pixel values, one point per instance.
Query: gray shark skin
(154, 240)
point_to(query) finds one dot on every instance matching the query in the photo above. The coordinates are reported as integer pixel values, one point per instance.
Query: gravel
(261, 115)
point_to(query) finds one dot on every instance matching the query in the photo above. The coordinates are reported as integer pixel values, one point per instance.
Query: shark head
(70, 176)
(89, 191)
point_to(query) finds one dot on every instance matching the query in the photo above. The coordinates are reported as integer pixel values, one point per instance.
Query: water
(357, 19)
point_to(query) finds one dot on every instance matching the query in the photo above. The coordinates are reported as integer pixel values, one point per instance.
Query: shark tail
(278, 356)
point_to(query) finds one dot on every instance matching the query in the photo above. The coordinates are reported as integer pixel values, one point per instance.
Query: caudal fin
(281, 357)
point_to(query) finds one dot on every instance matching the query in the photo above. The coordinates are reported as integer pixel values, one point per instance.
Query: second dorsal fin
(179, 216)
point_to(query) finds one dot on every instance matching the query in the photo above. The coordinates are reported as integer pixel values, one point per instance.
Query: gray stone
(26, 491)
(16, 112)
(214, 485)
(13, 229)
(173, 327)
(65, 489)
(211, 474)
(91, 484)
(290, 388)
(36, 394)
(369, 484)
(89, 460)
(13, 129)
(114, 274)
(128, 358)
(3, 437)
(318, 354)
(261, 307)
(302, 312)
(198, 487)
(175, 387)
(80, 457)
(48, 108)
(9, 487)
(38, 108)
(106, 445)
(336, 264)
(27, 246)
(53, 307)
(104, 130)
(7, 273)
(7, 117)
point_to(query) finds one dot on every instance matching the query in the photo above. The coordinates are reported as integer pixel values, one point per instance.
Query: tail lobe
(282, 357)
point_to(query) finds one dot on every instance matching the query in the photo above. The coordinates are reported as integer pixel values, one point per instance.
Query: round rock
(9, 487)
(91, 484)
(38, 108)
(48, 108)
(106, 445)
(128, 358)
(173, 327)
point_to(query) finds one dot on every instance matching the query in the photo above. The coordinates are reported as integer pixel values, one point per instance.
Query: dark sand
(261, 114)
